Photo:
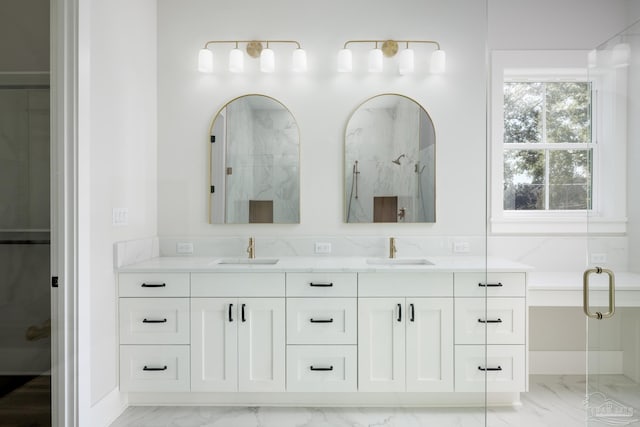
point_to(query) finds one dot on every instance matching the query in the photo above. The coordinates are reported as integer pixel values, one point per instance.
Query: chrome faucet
(251, 249)
(392, 247)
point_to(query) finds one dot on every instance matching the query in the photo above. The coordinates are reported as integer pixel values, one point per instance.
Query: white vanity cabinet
(500, 319)
(154, 331)
(405, 332)
(238, 341)
(269, 332)
(322, 332)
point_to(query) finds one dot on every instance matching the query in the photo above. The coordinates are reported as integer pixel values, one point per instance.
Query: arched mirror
(255, 163)
(390, 162)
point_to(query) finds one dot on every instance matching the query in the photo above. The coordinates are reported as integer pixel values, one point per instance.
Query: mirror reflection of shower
(397, 161)
(392, 139)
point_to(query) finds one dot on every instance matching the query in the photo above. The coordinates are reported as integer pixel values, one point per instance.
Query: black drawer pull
(146, 368)
(154, 321)
(230, 317)
(321, 285)
(490, 285)
(412, 314)
(312, 368)
(154, 285)
(321, 320)
(498, 320)
(399, 312)
(243, 318)
(480, 368)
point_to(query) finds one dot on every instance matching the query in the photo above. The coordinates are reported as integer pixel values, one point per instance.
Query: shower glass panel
(613, 310)
(25, 313)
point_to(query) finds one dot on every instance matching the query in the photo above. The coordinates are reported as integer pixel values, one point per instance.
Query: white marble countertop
(321, 263)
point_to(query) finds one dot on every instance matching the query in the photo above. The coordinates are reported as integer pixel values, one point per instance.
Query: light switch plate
(120, 216)
(461, 247)
(323, 248)
(184, 248)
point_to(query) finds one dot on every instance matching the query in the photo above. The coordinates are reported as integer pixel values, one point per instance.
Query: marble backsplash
(543, 253)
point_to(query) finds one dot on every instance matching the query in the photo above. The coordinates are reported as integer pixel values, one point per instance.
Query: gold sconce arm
(390, 47)
(254, 47)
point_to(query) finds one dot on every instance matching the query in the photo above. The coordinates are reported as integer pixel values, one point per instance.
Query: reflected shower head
(397, 161)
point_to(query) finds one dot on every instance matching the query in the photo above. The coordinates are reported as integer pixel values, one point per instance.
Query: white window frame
(608, 192)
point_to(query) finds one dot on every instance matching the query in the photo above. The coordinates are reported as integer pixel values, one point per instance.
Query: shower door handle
(585, 293)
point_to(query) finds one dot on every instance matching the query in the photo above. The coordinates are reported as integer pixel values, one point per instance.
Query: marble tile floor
(553, 401)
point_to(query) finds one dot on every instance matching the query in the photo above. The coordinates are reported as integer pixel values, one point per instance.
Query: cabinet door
(214, 344)
(261, 344)
(429, 344)
(381, 344)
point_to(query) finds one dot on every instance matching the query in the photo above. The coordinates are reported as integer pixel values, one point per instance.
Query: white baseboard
(574, 362)
(110, 407)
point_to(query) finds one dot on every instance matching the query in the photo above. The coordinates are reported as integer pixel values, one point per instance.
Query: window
(548, 149)
(558, 144)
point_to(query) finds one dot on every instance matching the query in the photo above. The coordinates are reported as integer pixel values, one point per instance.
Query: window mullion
(546, 151)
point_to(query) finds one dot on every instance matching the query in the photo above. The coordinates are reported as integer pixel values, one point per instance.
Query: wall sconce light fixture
(254, 49)
(389, 48)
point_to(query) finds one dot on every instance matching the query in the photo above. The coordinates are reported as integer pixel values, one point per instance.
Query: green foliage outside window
(541, 171)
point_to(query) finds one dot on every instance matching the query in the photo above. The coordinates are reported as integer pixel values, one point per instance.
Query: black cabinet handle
(399, 312)
(321, 320)
(490, 285)
(312, 368)
(154, 321)
(412, 314)
(242, 310)
(230, 317)
(153, 285)
(480, 368)
(146, 368)
(498, 320)
(321, 285)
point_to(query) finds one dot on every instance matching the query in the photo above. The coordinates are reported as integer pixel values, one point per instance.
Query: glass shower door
(611, 307)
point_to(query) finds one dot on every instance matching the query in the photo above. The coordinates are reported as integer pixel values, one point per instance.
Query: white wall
(553, 24)
(322, 101)
(122, 125)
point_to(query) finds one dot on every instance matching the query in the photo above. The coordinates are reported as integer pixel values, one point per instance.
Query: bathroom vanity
(263, 331)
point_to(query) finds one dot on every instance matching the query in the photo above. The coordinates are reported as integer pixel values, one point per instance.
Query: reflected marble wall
(264, 160)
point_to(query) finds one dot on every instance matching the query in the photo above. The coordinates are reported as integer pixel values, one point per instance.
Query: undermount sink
(247, 261)
(398, 261)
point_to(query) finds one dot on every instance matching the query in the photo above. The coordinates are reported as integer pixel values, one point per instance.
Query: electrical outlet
(461, 247)
(120, 216)
(184, 248)
(323, 248)
(598, 258)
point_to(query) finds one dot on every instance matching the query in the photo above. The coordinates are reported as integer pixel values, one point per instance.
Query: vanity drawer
(406, 284)
(322, 368)
(494, 284)
(153, 284)
(222, 285)
(154, 320)
(154, 368)
(504, 320)
(322, 321)
(322, 284)
(504, 368)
